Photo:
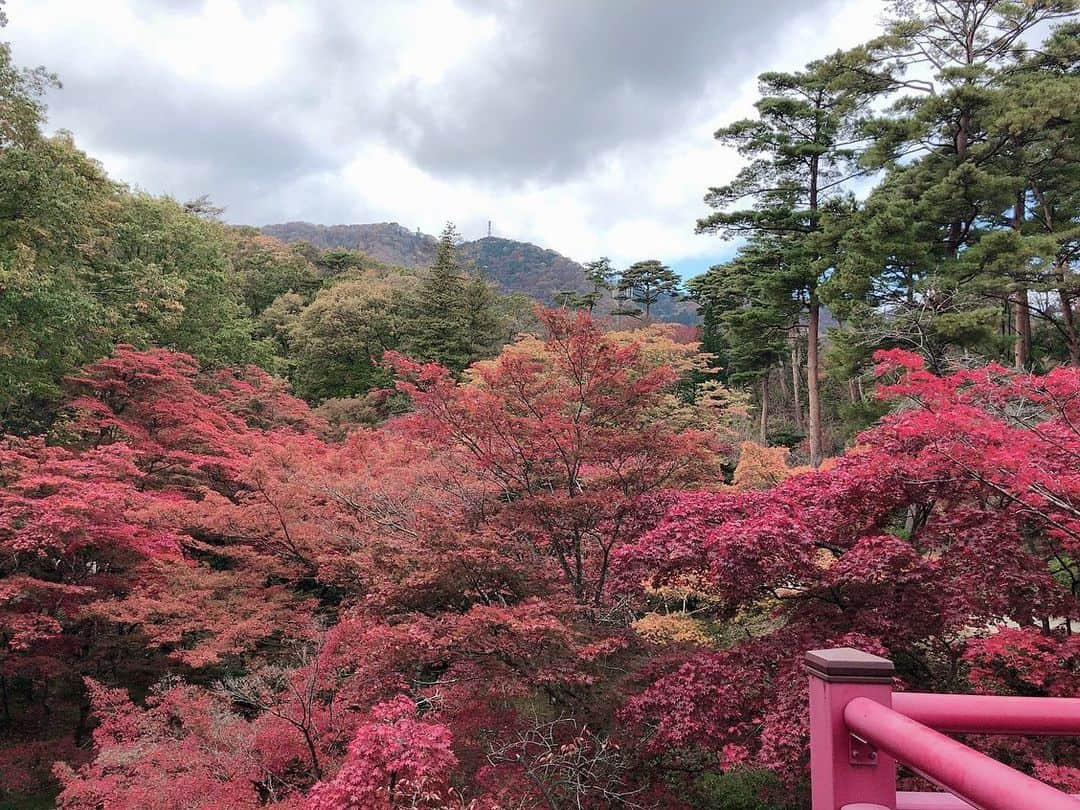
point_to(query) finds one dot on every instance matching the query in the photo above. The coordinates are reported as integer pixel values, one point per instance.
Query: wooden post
(847, 772)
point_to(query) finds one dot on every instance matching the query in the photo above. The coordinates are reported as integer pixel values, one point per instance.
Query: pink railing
(860, 730)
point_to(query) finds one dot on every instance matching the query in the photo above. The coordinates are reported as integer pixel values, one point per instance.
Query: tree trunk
(785, 394)
(764, 428)
(960, 141)
(812, 391)
(1069, 318)
(1022, 325)
(1068, 315)
(1021, 306)
(796, 386)
(316, 768)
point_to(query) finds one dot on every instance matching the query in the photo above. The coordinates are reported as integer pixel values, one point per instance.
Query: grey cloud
(190, 138)
(188, 143)
(563, 81)
(158, 117)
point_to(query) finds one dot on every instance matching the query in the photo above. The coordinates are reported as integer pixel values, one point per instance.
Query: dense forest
(294, 525)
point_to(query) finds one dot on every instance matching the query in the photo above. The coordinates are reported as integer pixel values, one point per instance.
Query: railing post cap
(846, 664)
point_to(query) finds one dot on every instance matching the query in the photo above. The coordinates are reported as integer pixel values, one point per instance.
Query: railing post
(846, 772)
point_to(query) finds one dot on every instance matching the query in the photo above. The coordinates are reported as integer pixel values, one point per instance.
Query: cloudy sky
(581, 125)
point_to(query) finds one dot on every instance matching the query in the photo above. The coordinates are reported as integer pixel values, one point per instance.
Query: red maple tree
(957, 514)
(531, 590)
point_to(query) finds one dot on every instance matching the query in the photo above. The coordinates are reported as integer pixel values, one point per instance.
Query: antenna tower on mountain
(489, 228)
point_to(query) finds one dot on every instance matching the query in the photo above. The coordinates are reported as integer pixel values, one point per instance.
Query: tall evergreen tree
(1030, 254)
(440, 325)
(1055, 179)
(455, 314)
(748, 316)
(485, 327)
(953, 142)
(800, 151)
(646, 282)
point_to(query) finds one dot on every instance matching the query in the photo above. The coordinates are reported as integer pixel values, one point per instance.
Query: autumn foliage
(955, 515)
(534, 589)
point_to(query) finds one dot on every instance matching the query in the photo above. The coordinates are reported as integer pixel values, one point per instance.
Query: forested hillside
(386, 242)
(350, 521)
(515, 267)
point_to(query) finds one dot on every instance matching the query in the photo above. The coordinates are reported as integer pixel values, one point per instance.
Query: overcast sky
(581, 125)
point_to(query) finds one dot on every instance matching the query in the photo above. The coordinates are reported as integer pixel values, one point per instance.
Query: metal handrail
(951, 765)
(991, 714)
(860, 730)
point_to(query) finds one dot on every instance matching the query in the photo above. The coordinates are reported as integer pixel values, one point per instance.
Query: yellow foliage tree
(661, 628)
(761, 467)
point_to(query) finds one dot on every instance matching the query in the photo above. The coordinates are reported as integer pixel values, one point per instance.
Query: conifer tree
(960, 142)
(485, 326)
(647, 281)
(601, 275)
(749, 315)
(800, 151)
(1036, 117)
(440, 326)
(454, 314)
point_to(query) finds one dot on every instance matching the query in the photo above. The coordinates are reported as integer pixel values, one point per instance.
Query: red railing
(860, 730)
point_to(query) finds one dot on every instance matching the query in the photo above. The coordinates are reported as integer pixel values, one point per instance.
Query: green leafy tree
(53, 216)
(265, 269)
(22, 110)
(336, 343)
(277, 321)
(169, 277)
(85, 264)
(334, 262)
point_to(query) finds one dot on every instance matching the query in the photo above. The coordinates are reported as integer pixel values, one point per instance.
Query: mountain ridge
(515, 266)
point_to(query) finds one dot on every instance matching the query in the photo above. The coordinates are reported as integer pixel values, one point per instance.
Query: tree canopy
(285, 527)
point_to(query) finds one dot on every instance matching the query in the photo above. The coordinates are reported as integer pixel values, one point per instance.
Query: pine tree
(962, 142)
(1035, 115)
(647, 281)
(749, 315)
(602, 276)
(800, 151)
